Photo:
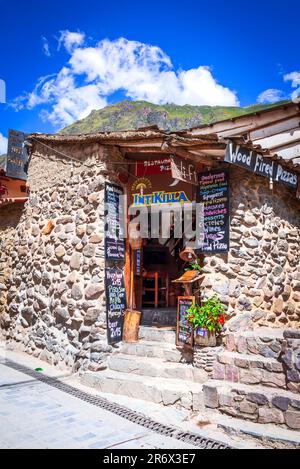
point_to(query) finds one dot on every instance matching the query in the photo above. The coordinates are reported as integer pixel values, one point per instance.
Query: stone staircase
(250, 380)
(153, 370)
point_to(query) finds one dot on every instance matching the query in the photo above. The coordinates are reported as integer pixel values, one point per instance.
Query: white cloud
(3, 144)
(70, 40)
(45, 45)
(141, 71)
(294, 77)
(270, 96)
(273, 95)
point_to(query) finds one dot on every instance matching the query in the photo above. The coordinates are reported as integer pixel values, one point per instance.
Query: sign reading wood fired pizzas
(258, 164)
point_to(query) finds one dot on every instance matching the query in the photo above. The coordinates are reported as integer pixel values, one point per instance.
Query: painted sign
(138, 262)
(258, 164)
(115, 303)
(114, 235)
(152, 167)
(214, 195)
(160, 197)
(17, 156)
(184, 330)
(184, 170)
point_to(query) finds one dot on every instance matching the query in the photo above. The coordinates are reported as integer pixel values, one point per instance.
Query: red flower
(221, 320)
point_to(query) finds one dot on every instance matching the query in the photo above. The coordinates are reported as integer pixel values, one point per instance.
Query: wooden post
(156, 290)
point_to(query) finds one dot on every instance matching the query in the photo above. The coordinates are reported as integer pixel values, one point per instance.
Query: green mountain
(128, 115)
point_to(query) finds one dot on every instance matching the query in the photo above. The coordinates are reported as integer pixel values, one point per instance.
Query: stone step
(262, 341)
(157, 334)
(259, 404)
(156, 367)
(249, 369)
(169, 392)
(145, 348)
(269, 434)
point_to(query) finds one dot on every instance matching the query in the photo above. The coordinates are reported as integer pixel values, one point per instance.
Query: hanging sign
(17, 156)
(114, 234)
(214, 195)
(115, 303)
(258, 164)
(184, 170)
(184, 330)
(138, 262)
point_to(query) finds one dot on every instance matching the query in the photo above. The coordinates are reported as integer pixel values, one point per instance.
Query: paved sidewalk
(36, 415)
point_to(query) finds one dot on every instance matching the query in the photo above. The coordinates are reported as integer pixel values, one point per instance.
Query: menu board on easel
(184, 330)
(114, 239)
(214, 195)
(115, 303)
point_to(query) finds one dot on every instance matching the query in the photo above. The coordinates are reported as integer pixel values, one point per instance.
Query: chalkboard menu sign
(114, 235)
(214, 194)
(184, 331)
(115, 303)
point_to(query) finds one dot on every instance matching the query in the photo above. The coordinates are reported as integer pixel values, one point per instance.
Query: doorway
(156, 263)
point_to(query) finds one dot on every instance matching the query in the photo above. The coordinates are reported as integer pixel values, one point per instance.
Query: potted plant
(194, 265)
(207, 321)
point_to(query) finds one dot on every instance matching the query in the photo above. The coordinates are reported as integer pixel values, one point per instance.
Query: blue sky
(60, 59)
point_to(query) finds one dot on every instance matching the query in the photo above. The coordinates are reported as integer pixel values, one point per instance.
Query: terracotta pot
(205, 338)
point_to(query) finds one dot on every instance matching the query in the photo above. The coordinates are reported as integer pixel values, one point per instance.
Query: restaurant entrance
(155, 263)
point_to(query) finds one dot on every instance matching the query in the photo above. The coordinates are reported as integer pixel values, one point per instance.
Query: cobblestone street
(35, 415)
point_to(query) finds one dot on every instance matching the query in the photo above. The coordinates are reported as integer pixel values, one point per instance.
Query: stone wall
(257, 377)
(259, 279)
(50, 164)
(56, 299)
(56, 296)
(9, 218)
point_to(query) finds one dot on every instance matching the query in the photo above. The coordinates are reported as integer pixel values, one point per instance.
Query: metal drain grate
(124, 412)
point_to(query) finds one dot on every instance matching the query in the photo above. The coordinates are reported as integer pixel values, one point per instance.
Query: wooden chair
(160, 290)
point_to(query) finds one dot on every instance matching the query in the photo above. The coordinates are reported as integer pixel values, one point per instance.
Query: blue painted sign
(17, 155)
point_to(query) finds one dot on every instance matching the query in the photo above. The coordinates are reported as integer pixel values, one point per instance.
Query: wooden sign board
(17, 156)
(184, 331)
(114, 236)
(213, 193)
(184, 170)
(258, 164)
(115, 303)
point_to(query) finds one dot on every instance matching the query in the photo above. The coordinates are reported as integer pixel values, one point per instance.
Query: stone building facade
(53, 260)
(52, 256)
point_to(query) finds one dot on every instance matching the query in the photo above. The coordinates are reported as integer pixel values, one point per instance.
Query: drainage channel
(122, 411)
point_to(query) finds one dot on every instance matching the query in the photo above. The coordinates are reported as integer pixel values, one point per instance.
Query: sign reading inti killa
(258, 164)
